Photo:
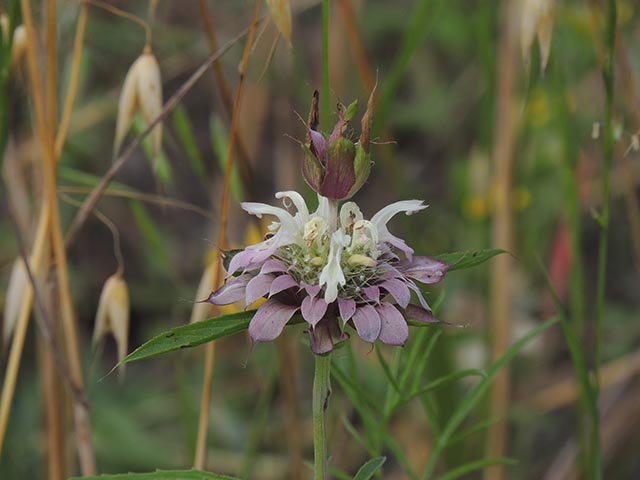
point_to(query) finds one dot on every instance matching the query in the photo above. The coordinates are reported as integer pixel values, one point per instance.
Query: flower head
(330, 265)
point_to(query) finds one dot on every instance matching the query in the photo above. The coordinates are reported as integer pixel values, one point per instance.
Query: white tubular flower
(365, 238)
(349, 214)
(381, 219)
(332, 274)
(314, 229)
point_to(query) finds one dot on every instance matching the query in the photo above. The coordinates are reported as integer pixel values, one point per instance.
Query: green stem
(325, 97)
(321, 394)
(609, 141)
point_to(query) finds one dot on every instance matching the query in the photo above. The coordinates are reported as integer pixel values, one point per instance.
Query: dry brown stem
(203, 422)
(501, 301)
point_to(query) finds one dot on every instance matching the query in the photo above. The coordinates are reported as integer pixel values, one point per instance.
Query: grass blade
(476, 394)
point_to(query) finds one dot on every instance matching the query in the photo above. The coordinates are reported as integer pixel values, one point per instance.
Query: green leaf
(473, 466)
(157, 250)
(351, 110)
(161, 475)
(192, 335)
(369, 468)
(220, 143)
(461, 260)
(184, 131)
(476, 394)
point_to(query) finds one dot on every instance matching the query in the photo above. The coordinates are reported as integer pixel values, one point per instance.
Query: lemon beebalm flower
(333, 267)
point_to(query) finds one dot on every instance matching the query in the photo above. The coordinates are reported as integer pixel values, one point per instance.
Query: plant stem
(506, 129)
(205, 399)
(321, 394)
(609, 142)
(325, 97)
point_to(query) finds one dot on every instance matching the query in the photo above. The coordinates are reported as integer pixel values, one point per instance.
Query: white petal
(288, 225)
(381, 219)
(332, 274)
(297, 200)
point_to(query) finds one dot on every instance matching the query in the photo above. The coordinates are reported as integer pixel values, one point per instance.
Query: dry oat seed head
(150, 95)
(142, 89)
(537, 21)
(4, 26)
(18, 281)
(280, 11)
(113, 314)
(19, 45)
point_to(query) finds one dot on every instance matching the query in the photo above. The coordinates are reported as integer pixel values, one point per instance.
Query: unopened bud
(334, 166)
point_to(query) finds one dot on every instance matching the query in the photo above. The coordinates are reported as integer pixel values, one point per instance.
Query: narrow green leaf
(387, 371)
(161, 475)
(461, 260)
(220, 143)
(441, 382)
(478, 427)
(184, 131)
(192, 335)
(155, 244)
(369, 468)
(477, 393)
(160, 162)
(473, 466)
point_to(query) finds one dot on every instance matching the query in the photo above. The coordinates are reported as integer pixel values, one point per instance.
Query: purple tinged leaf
(240, 260)
(318, 146)
(398, 290)
(269, 320)
(312, 290)
(274, 265)
(313, 309)
(427, 270)
(231, 292)
(282, 282)
(393, 327)
(347, 307)
(367, 323)
(339, 175)
(325, 336)
(418, 314)
(418, 293)
(258, 287)
(372, 293)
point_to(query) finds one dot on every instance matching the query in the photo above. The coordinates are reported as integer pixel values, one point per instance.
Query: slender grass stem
(321, 394)
(325, 98)
(72, 91)
(609, 143)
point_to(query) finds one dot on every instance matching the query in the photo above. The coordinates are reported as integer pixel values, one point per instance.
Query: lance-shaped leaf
(192, 335)
(472, 258)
